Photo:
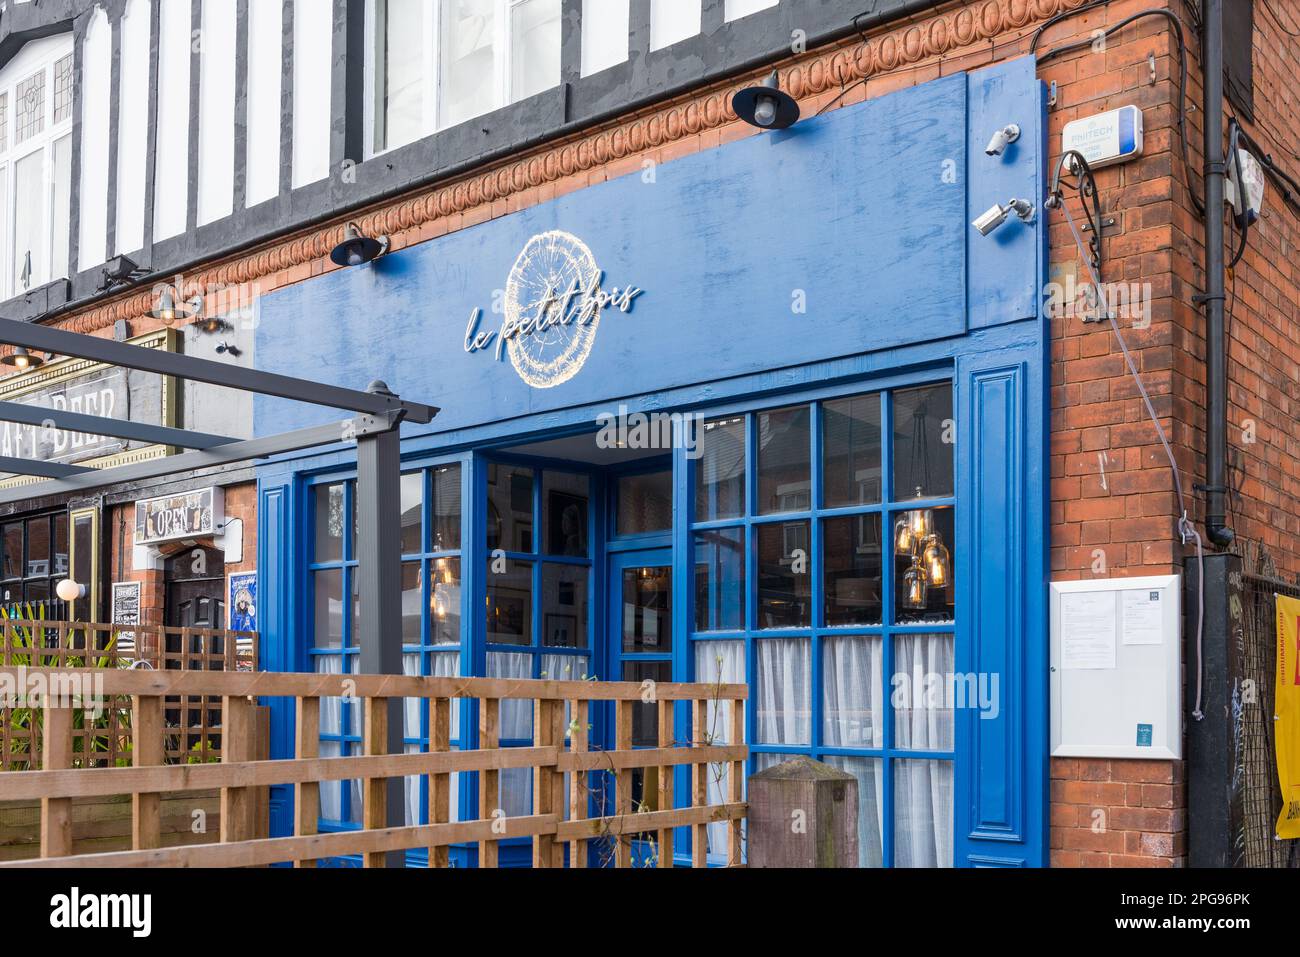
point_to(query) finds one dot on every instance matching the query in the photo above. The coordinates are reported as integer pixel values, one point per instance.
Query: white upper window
(434, 63)
(35, 164)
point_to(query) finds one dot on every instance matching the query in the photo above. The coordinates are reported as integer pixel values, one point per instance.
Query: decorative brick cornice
(804, 76)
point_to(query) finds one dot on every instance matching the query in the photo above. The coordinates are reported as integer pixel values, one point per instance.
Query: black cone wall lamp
(766, 106)
(356, 248)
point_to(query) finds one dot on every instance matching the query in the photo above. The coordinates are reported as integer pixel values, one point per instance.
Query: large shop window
(35, 165)
(823, 542)
(431, 611)
(36, 559)
(538, 576)
(431, 65)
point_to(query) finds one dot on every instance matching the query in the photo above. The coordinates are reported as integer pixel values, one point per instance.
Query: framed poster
(243, 601)
(126, 611)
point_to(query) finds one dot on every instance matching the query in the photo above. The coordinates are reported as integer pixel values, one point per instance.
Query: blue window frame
(432, 633)
(821, 537)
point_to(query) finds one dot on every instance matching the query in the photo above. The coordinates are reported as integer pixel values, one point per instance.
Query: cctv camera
(997, 214)
(991, 220)
(1002, 139)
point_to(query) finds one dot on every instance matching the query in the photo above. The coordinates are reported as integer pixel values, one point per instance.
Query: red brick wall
(1112, 503)
(241, 503)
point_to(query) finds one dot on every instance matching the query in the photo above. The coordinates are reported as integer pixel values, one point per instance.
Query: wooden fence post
(736, 784)
(238, 728)
(374, 791)
(489, 781)
(578, 780)
(440, 784)
(823, 799)
(146, 751)
(56, 813)
(667, 733)
(548, 783)
(699, 782)
(306, 794)
(623, 786)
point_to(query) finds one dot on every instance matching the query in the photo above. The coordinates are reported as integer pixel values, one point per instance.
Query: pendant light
(22, 360)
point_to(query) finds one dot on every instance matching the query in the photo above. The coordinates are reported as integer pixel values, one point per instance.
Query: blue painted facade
(831, 259)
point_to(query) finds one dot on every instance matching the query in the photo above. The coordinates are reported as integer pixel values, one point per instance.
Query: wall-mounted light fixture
(69, 590)
(356, 248)
(997, 214)
(766, 106)
(170, 309)
(22, 360)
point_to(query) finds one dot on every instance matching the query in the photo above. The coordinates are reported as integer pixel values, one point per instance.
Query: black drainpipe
(1216, 362)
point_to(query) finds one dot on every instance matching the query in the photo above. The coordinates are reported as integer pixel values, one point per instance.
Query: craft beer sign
(185, 515)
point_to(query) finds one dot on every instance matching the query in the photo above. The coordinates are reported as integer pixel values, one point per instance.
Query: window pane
(534, 47)
(924, 691)
(329, 522)
(446, 508)
(399, 76)
(784, 461)
(412, 604)
(38, 547)
(329, 608)
(645, 714)
(720, 580)
(412, 497)
(783, 691)
(604, 34)
(63, 89)
(516, 713)
(648, 609)
(4, 122)
(564, 605)
(923, 441)
(784, 576)
(444, 624)
(565, 499)
(720, 470)
(468, 60)
(61, 215)
(84, 532)
(852, 715)
(565, 668)
(645, 503)
(30, 99)
(510, 603)
(13, 548)
(852, 569)
(510, 508)
(871, 805)
(673, 20)
(29, 220)
(719, 662)
(851, 451)
(923, 566)
(922, 813)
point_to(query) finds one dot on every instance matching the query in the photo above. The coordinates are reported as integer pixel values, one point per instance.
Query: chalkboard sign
(126, 611)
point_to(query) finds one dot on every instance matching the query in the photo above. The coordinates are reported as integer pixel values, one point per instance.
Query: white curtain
(783, 691)
(516, 791)
(724, 662)
(442, 664)
(331, 719)
(853, 717)
(923, 721)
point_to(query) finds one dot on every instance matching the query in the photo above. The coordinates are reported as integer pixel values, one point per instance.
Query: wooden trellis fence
(559, 750)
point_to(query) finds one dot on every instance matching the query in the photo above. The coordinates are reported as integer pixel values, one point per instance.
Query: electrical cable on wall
(1072, 163)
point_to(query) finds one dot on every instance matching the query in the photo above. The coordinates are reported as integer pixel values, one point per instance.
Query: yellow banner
(1286, 697)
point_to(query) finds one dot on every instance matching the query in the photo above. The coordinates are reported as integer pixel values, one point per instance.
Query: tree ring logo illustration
(549, 262)
(551, 310)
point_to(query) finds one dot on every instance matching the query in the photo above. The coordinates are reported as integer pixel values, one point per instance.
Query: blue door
(639, 648)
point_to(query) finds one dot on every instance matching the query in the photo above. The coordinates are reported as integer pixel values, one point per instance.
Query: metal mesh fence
(1261, 796)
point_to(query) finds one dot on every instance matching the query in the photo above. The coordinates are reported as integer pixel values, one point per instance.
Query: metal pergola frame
(377, 417)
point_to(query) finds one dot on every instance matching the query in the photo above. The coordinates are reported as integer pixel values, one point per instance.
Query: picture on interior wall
(567, 524)
(508, 616)
(561, 631)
